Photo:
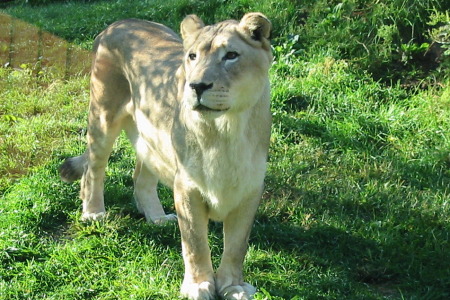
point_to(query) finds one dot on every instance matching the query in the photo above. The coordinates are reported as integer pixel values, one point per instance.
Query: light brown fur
(197, 112)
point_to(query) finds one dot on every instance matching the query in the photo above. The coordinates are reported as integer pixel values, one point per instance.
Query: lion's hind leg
(100, 143)
(110, 94)
(90, 167)
(146, 196)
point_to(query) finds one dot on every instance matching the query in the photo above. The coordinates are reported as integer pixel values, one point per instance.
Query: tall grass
(357, 191)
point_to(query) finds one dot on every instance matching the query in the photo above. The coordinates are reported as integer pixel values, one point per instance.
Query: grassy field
(357, 201)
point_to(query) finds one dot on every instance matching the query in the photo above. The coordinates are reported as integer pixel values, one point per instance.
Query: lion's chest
(226, 174)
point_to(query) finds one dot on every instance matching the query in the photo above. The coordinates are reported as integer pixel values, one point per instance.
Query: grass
(33, 112)
(357, 191)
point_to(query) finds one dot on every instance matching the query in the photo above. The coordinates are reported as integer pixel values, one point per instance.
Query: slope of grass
(357, 199)
(366, 168)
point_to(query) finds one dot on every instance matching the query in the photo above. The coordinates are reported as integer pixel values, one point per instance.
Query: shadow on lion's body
(197, 111)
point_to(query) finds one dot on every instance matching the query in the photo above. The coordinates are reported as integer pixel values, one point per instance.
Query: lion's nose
(200, 88)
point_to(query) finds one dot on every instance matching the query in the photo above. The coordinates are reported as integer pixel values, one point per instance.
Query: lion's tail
(73, 168)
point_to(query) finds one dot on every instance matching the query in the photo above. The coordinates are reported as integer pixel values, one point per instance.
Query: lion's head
(225, 65)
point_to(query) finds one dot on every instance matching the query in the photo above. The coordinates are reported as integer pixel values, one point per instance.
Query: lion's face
(225, 65)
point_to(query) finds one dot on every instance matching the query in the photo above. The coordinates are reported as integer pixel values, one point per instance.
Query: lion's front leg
(237, 226)
(198, 283)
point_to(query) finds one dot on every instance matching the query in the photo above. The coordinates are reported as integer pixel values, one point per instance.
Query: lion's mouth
(200, 107)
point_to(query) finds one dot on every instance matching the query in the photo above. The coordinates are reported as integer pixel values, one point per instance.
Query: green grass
(357, 191)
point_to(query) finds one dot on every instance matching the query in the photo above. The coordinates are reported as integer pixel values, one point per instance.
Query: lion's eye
(192, 56)
(231, 55)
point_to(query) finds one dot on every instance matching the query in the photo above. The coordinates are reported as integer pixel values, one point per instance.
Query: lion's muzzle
(199, 88)
(205, 97)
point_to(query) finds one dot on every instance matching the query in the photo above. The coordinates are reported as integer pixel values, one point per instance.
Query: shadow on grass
(423, 171)
(377, 217)
(393, 241)
(386, 255)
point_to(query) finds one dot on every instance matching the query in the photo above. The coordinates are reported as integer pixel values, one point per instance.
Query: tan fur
(197, 112)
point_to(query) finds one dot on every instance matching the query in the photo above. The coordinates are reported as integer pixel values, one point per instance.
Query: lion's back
(138, 34)
(142, 48)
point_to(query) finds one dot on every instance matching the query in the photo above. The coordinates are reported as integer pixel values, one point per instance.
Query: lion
(197, 111)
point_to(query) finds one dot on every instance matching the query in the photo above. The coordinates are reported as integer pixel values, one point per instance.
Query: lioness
(197, 111)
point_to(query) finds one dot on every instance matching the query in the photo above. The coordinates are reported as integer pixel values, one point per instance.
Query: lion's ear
(190, 25)
(256, 25)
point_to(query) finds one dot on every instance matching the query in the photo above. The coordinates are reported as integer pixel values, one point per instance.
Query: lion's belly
(153, 146)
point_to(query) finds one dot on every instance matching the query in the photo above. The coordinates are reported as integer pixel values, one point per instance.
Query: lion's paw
(171, 218)
(86, 216)
(238, 292)
(198, 291)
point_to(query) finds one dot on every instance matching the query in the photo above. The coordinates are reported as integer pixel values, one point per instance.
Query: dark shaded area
(359, 258)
